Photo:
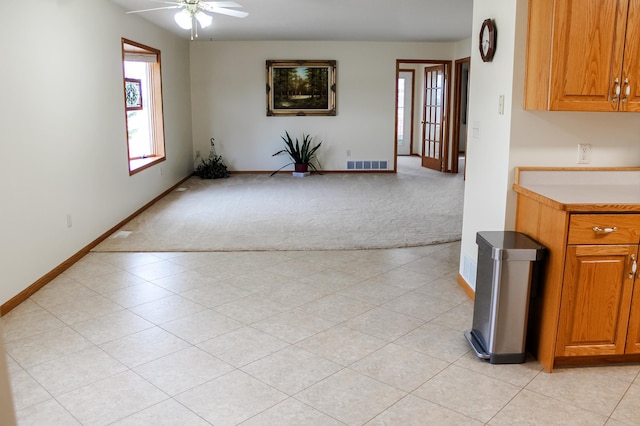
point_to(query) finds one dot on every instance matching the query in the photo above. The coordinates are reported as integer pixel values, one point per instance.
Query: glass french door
(433, 117)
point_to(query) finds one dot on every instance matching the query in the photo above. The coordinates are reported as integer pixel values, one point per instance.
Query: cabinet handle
(605, 230)
(634, 266)
(627, 90)
(616, 91)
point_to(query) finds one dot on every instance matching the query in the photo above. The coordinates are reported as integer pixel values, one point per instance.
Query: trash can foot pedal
(476, 345)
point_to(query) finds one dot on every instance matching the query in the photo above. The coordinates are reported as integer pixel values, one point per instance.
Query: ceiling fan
(193, 10)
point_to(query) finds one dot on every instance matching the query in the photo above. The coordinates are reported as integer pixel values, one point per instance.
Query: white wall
(462, 48)
(523, 138)
(229, 100)
(488, 151)
(62, 130)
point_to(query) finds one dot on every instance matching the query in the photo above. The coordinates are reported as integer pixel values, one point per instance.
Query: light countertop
(588, 190)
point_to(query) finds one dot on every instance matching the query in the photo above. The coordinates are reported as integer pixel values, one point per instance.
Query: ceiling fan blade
(220, 4)
(223, 11)
(179, 3)
(155, 8)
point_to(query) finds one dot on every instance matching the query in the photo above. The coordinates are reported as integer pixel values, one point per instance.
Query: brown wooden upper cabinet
(583, 55)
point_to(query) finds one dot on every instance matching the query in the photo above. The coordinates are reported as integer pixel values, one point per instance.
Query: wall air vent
(367, 165)
(469, 271)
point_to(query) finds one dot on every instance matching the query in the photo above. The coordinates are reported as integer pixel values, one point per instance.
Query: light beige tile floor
(281, 338)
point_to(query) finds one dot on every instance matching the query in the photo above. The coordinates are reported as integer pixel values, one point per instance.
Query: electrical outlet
(348, 153)
(69, 221)
(584, 153)
(197, 154)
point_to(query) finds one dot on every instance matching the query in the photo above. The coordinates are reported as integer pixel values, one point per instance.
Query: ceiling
(328, 20)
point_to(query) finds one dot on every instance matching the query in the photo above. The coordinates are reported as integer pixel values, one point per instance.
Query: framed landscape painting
(301, 88)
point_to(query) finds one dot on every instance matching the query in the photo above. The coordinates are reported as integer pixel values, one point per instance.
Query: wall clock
(487, 40)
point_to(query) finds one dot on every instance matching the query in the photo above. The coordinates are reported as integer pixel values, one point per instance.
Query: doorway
(460, 114)
(405, 116)
(427, 113)
(433, 118)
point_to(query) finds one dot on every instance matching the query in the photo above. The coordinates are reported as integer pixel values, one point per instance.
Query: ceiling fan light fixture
(204, 19)
(184, 19)
(193, 14)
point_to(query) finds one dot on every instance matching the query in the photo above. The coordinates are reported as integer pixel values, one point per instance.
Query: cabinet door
(630, 100)
(596, 298)
(587, 52)
(633, 337)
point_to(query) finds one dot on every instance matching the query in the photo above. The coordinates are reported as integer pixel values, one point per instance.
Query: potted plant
(302, 154)
(212, 167)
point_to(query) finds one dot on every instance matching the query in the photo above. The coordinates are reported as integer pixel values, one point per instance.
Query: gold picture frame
(301, 87)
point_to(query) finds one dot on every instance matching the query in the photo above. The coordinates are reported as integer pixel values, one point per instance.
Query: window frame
(138, 164)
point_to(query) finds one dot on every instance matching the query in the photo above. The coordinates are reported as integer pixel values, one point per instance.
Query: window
(142, 82)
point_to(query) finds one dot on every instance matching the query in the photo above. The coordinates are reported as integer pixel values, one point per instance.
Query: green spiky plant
(299, 153)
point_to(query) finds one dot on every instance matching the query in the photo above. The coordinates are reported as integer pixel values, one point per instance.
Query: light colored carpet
(320, 212)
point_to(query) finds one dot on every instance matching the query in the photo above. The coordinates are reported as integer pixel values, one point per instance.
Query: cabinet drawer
(604, 229)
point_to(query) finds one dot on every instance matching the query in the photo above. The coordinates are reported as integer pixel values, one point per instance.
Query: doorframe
(447, 73)
(413, 101)
(457, 111)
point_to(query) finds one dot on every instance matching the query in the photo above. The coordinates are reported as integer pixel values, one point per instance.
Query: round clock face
(487, 40)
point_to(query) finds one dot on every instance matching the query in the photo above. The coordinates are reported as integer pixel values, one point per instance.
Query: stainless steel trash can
(508, 267)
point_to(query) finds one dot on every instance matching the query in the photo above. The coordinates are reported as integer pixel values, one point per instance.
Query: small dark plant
(212, 167)
(299, 153)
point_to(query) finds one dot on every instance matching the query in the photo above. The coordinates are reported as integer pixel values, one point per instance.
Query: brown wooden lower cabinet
(587, 309)
(633, 335)
(596, 300)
